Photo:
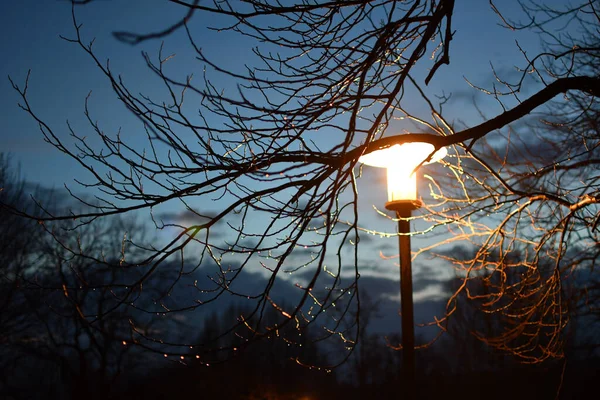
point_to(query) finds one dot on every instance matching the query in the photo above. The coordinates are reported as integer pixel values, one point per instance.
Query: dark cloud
(425, 271)
(384, 294)
(424, 278)
(302, 252)
(378, 294)
(422, 284)
(186, 216)
(387, 248)
(379, 286)
(459, 252)
(365, 238)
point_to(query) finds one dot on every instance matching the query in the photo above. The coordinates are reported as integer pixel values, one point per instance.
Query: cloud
(190, 217)
(186, 216)
(302, 252)
(378, 294)
(429, 300)
(426, 284)
(378, 285)
(387, 248)
(365, 238)
(459, 252)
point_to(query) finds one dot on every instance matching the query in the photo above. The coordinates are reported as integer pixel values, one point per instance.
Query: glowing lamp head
(401, 161)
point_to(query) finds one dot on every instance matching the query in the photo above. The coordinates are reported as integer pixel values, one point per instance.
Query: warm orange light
(400, 162)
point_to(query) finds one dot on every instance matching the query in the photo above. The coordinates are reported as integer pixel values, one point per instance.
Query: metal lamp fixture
(401, 162)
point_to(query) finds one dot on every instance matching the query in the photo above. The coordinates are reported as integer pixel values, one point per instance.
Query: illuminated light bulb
(400, 162)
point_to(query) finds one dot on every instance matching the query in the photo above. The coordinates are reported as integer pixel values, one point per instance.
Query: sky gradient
(62, 76)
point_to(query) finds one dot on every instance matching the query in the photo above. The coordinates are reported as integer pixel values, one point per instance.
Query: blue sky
(62, 76)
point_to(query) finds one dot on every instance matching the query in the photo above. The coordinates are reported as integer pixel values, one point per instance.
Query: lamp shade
(400, 162)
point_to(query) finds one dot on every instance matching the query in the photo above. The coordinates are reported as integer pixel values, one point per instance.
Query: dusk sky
(214, 198)
(62, 76)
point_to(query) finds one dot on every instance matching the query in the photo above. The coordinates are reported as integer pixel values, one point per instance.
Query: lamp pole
(403, 213)
(401, 162)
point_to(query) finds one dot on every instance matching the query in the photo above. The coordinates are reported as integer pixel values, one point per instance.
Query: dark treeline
(50, 347)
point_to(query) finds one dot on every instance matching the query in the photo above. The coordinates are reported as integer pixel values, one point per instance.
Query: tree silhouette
(49, 284)
(246, 138)
(530, 208)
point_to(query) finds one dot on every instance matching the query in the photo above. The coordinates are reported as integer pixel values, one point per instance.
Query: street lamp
(401, 162)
